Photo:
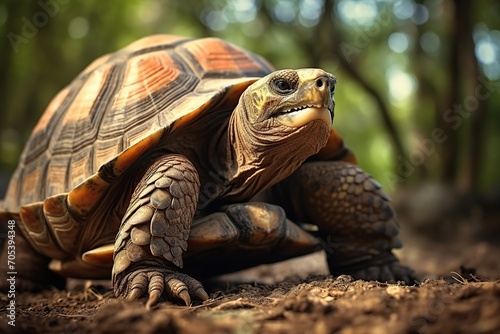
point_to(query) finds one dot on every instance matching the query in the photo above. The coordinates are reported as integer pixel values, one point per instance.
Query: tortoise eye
(282, 86)
(285, 82)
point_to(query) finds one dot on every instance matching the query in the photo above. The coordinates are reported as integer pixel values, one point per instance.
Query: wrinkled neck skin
(261, 154)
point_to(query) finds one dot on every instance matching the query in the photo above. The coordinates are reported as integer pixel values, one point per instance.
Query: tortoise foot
(390, 273)
(384, 268)
(158, 283)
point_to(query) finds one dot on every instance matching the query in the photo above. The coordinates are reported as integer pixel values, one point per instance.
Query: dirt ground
(280, 299)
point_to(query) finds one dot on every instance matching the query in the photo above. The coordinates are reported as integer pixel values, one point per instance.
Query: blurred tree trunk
(426, 98)
(449, 148)
(464, 18)
(457, 116)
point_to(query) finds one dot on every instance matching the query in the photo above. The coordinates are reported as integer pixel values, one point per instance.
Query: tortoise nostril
(323, 83)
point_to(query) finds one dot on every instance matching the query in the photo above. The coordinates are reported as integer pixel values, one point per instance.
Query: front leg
(355, 219)
(154, 232)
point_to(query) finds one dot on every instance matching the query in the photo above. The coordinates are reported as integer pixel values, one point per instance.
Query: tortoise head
(287, 109)
(291, 97)
(280, 121)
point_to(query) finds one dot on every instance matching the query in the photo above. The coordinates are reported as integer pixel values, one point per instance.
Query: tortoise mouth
(300, 116)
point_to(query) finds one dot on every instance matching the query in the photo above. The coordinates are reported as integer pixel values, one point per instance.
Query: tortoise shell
(119, 107)
(107, 119)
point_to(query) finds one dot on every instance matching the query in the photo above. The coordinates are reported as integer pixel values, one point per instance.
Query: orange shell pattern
(119, 100)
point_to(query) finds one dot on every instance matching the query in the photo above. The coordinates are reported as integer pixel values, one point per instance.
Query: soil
(281, 299)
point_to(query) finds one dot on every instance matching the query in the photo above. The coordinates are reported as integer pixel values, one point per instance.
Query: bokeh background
(418, 95)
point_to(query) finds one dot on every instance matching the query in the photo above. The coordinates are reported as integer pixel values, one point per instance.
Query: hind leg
(31, 268)
(356, 222)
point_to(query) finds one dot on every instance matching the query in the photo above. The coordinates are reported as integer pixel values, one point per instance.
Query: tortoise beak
(305, 115)
(316, 96)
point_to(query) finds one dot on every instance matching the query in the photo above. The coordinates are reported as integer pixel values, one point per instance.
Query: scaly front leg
(154, 232)
(355, 219)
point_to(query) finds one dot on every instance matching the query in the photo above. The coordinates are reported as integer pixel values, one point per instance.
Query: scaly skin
(154, 232)
(355, 219)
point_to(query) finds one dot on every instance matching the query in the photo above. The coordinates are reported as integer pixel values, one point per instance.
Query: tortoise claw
(154, 296)
(184, 295)
(201, 294)
(178, 289)
(135, 294)
(137, 285)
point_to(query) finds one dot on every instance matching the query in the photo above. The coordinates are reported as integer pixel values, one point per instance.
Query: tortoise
(176, 158)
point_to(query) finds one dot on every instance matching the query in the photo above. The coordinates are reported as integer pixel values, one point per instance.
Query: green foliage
(393, 59)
